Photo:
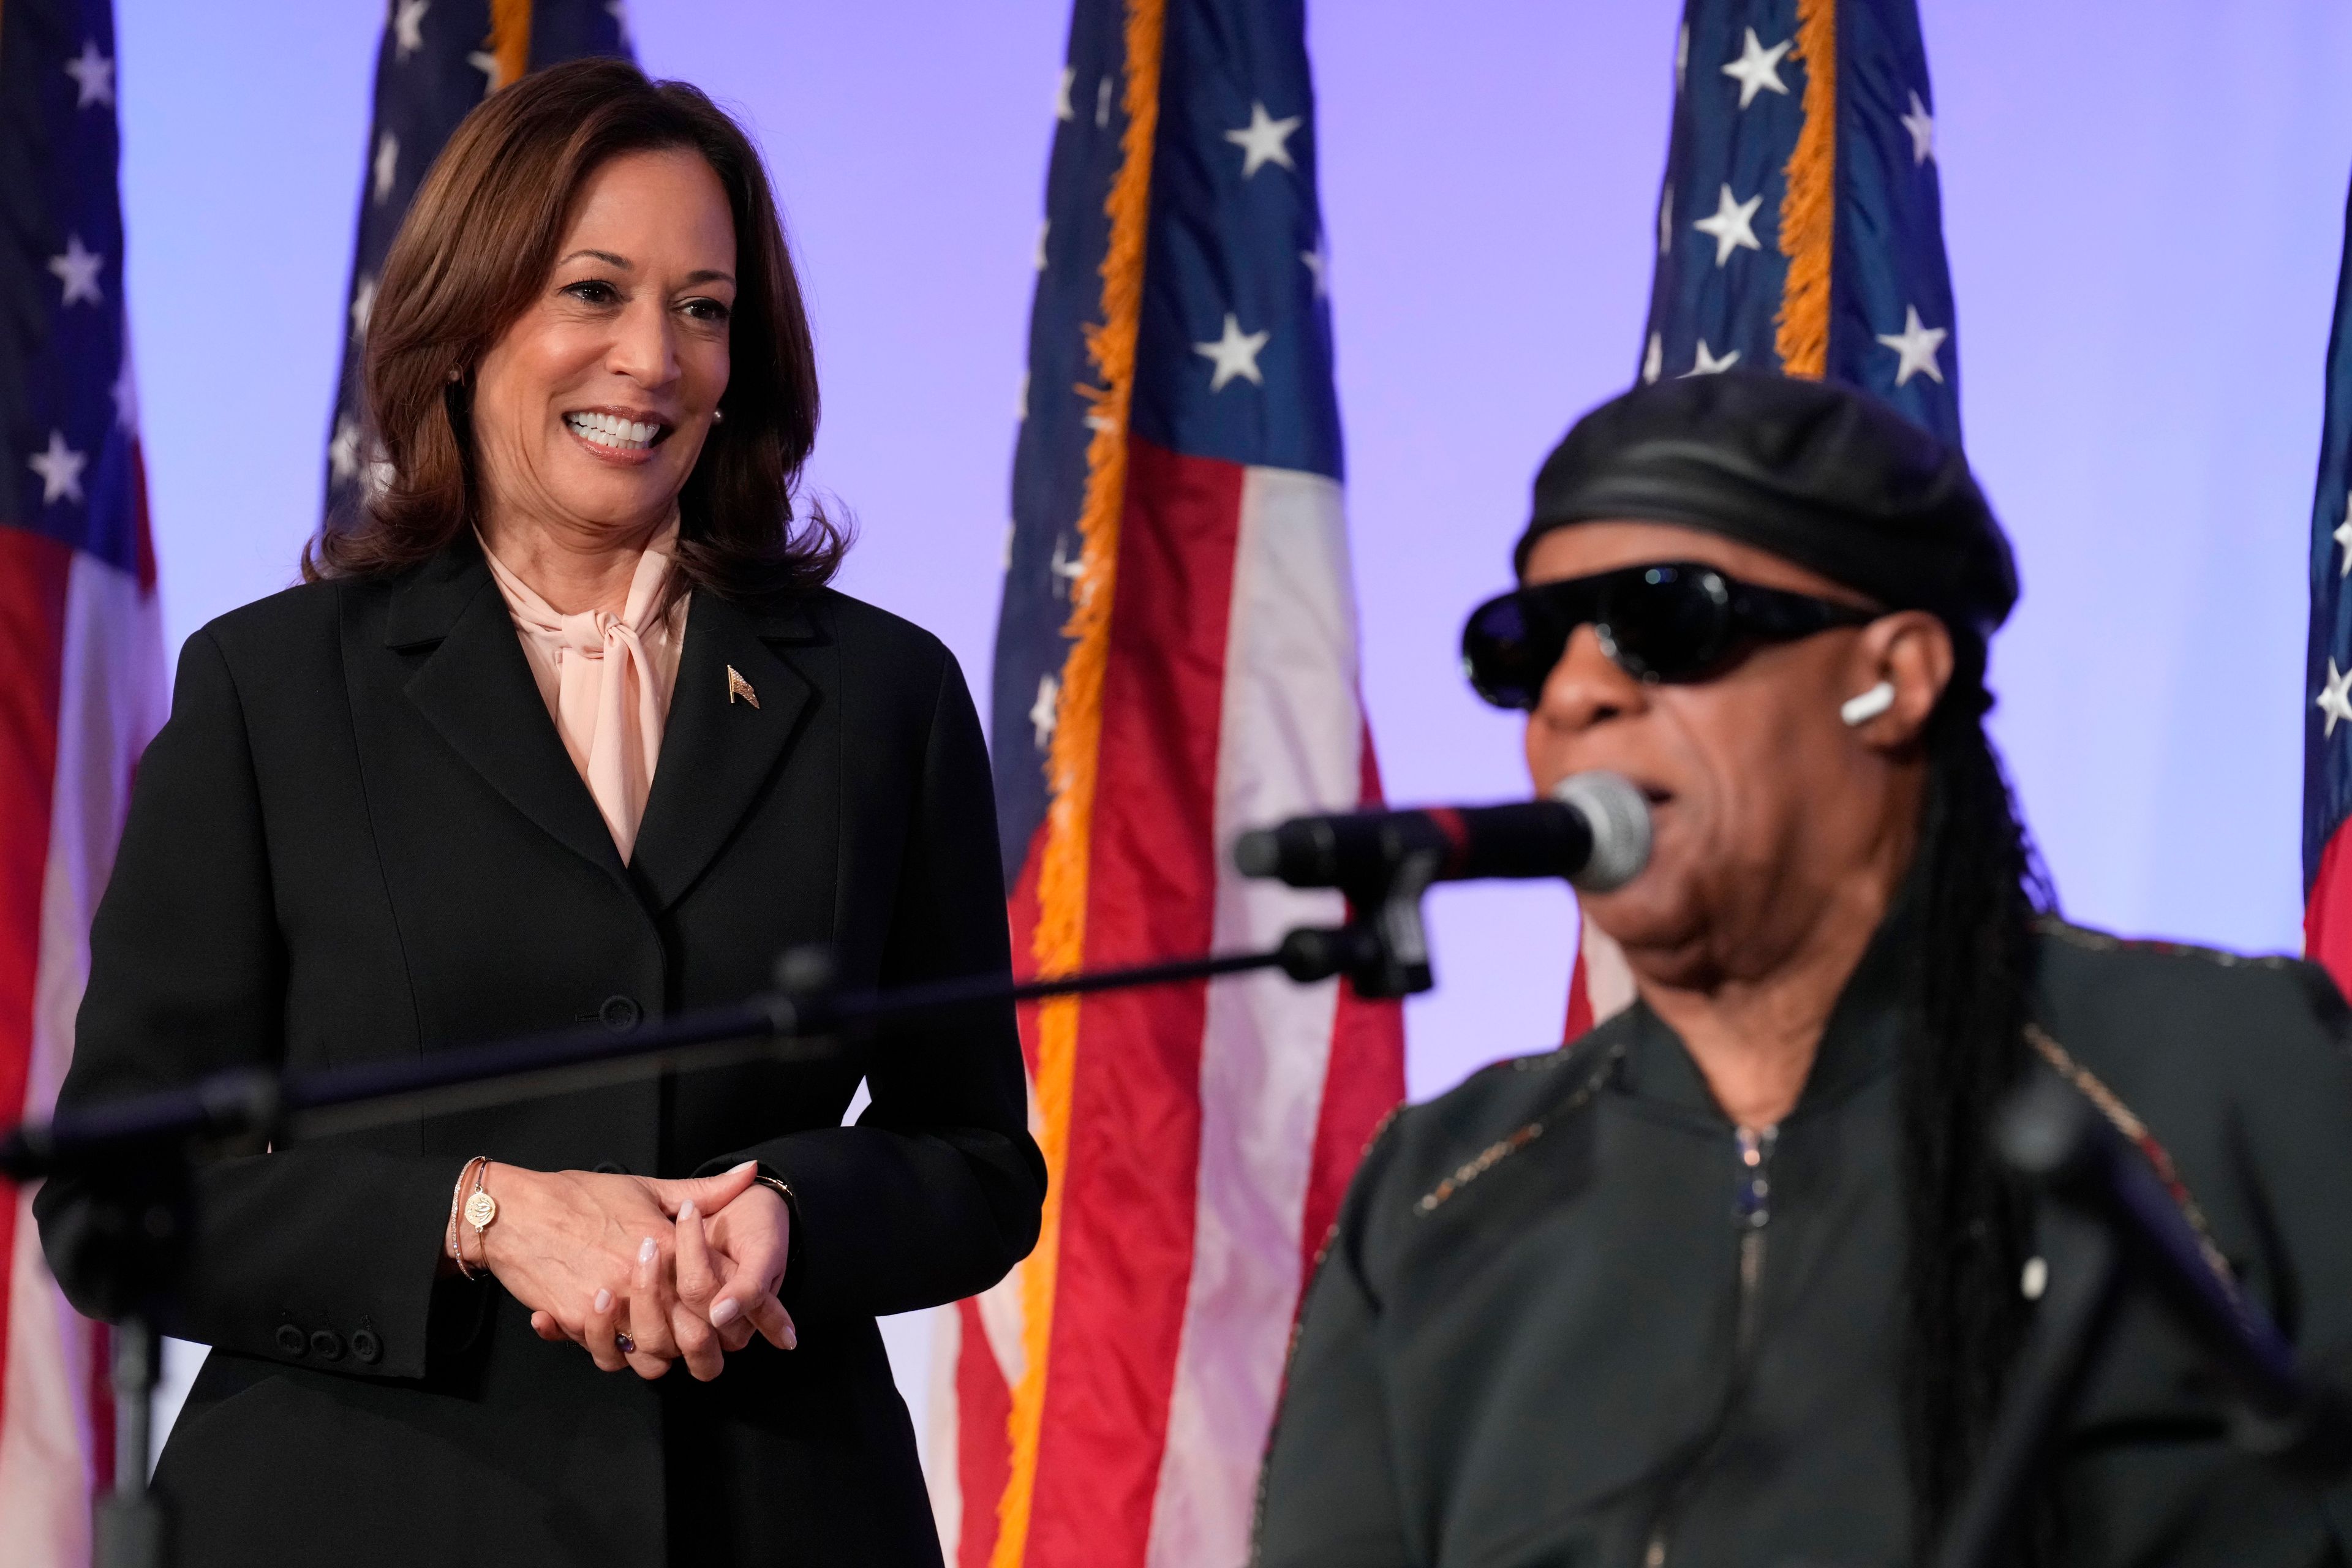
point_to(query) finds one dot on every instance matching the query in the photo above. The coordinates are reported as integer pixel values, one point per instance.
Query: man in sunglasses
(1734, 1279)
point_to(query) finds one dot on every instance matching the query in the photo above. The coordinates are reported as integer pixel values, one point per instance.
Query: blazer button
(290, 1340)
(326, 1345)
(620, 1014)
(366, 1346)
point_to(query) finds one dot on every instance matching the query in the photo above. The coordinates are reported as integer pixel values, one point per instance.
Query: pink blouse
(606, 681)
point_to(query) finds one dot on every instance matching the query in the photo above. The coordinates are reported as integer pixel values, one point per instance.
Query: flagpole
(129, 1522)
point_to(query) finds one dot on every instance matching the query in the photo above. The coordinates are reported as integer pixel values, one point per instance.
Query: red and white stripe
(1213, 1128)
(81, 642)
(1602, 984)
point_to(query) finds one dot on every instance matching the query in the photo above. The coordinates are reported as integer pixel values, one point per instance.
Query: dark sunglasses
(1676, 620)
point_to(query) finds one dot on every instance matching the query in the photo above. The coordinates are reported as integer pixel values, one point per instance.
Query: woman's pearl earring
(1869, 705)
(718, 416)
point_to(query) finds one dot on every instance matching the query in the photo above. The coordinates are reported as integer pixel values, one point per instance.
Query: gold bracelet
(456, 1196)
(482, 1208)
(784, 1190)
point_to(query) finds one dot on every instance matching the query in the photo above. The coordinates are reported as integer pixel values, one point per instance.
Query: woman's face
(590, 412)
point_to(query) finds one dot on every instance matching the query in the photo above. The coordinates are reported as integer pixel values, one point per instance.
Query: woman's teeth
(608, 430)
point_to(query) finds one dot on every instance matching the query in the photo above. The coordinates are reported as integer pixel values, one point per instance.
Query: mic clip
(1383, 950)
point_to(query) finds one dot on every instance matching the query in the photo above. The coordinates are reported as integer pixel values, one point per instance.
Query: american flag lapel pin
(739, 687)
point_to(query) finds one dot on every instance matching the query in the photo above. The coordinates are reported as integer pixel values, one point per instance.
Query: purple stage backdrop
(2143, 211)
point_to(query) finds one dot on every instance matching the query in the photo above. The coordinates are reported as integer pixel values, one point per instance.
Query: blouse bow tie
(607, 680)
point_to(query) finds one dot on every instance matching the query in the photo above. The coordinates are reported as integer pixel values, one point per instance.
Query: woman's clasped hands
(641, 1272)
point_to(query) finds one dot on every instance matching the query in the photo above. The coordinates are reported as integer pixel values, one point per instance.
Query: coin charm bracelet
(477, 1209)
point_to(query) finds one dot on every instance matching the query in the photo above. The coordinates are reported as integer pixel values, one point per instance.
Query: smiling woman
(565, 726)
(587, 216)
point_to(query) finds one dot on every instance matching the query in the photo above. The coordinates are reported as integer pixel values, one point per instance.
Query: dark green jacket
(1555, 1326)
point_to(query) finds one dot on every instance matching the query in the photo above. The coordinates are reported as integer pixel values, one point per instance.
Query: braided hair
(1967, 1224)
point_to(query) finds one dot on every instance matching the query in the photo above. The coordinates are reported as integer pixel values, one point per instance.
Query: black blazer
(359, 839)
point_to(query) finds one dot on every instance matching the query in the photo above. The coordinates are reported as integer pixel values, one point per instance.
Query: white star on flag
(1917, 344)
(1707, 364)
(2343, 537)
(1922, 126)
(387, 164)
(1318, 262)
(1021, 410)
(77, 269)
(1061, 109)
(1653, 358)
(362, 306)
(1733, 225)
(1102, 104)
(60, 469)
(1234, 353)
(1264, 141)
(343, 451)
(1043, 229)
(125, 393)
(2335, 697)
(1043, 713)
(93, 75)
(1682, 56)
(1666, 220)
(619, 11)
(408, 26)
(1757, 69)
(1063, 565)
(486, 63)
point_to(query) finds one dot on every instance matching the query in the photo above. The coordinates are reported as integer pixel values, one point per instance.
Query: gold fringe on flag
(1809, 201)
(1058, 941)
(509, 41)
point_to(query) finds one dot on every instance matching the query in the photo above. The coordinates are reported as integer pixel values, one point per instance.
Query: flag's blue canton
(68, 410)
(432, 67)
(1049, 460)
(1738, 107)
(1233, 348)
(1234, 355)
(2328, 711)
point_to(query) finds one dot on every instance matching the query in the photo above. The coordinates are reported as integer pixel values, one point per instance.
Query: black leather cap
(1817, 473)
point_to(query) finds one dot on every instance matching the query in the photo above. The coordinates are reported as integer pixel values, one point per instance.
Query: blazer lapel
(731, 718)
(476, 688)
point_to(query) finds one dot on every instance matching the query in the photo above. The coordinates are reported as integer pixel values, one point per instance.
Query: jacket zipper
(1754, 1206)
(1752, 1213)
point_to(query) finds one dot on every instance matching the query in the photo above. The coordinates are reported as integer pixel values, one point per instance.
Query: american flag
(81, 690)
(1176, 661)
(437, 59)
(1799, 229)
(2327, 670)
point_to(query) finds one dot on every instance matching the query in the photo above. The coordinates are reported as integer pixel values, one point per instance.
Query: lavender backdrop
(2143, 213)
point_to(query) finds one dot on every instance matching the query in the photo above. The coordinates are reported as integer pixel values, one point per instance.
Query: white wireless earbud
(1862, 709)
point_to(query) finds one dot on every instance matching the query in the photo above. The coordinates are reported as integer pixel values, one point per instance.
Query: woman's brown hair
(478, 246)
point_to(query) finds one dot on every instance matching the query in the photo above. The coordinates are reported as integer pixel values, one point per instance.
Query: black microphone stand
(2111, 1226)
(138, 1154)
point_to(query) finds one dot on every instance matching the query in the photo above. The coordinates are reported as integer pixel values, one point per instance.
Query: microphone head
(1620, 820)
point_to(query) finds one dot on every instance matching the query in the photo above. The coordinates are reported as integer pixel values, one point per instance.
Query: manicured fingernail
(726, 1312)
(792, 1340)
(687, 1211)
(603, 1300)
(648, 1249)
(746, 1165)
